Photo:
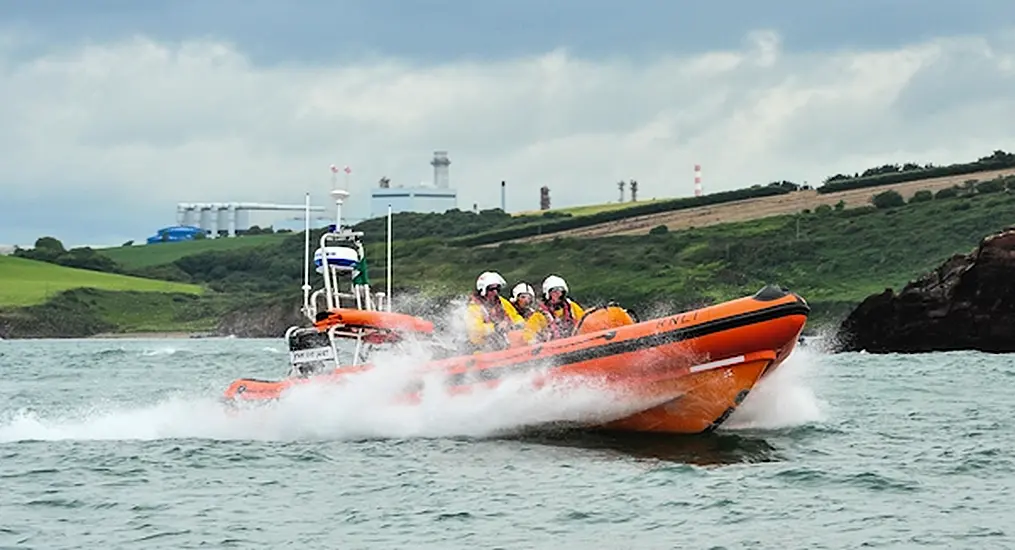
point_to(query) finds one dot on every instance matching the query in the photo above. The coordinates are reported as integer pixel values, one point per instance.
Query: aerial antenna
(306, 256)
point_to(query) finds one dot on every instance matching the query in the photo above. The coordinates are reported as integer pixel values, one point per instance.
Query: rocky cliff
(263, 320)
(968, 303)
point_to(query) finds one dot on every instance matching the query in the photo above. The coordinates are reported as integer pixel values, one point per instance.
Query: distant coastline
(153, 335)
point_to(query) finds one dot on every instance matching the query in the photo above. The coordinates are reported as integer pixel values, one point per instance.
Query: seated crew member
(559, 314)
(522, 296)
(488, 315)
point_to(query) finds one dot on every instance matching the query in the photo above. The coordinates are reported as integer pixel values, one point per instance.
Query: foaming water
(367, 405)
(786, 398)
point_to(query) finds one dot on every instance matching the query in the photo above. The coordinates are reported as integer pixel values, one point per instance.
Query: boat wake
(366, 407)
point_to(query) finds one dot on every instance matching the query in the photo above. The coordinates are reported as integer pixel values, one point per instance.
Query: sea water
(123, 444)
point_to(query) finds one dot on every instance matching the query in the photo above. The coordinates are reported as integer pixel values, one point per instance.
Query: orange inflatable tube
(689, 371)
(386, 320)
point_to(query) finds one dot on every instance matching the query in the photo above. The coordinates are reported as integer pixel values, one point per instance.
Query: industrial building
(437, 197)
(229, 219)
(224, 219)
(176, 233)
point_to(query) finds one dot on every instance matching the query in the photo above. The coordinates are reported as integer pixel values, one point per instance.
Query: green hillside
(834, 258)
(26, 282)
(147, 255)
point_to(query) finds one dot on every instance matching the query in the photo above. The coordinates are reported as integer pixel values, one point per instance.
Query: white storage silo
(222, 215)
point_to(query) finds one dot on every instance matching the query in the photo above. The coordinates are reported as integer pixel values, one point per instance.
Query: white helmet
(487, 279)
(522, 288)
(551, 283)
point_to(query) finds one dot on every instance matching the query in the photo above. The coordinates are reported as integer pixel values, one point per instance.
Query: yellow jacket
(480, 323)
(538, 326)
(530, 311)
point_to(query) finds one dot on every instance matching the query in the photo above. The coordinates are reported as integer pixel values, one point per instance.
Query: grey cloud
(321, 31)
(150, 124)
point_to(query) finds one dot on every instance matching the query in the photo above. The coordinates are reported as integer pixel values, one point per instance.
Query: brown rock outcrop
(968, 303)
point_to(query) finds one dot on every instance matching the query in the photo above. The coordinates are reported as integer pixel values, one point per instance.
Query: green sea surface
(123, 444)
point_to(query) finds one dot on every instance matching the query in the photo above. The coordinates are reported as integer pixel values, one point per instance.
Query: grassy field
(27, 282)
(588, 209)
(140, 256)
(751, 209)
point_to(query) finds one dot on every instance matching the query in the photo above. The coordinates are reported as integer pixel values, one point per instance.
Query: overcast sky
(111, 112)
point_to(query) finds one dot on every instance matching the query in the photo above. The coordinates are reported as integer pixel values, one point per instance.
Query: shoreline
(168, 335)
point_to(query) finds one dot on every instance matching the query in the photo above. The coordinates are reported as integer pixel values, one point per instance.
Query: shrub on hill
(893, 173)
(888, 199)
(50, 249)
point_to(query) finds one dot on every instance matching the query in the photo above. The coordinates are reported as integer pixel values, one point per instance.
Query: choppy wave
(129, 447)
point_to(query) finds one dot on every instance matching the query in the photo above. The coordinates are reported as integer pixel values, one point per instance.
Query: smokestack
(440, 163)
(503, 195)
(544, 198)
(697, 180)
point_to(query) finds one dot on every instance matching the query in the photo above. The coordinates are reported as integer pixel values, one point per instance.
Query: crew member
(559, 314)
(488, 315)
(522, 296)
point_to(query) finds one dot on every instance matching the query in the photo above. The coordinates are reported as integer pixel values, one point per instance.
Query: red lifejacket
(559, 327)
(492, 313)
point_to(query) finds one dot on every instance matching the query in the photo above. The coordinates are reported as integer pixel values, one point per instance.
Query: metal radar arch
(340, 260)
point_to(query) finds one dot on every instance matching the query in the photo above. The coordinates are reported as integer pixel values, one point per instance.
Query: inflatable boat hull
(691, 370)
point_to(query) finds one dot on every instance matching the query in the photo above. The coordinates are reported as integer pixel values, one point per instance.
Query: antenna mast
(306, 256)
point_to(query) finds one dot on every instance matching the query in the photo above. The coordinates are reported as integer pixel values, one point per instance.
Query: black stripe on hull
(627, 346)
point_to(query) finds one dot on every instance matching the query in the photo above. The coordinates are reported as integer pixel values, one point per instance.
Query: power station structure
(226, 219)
(435, 197)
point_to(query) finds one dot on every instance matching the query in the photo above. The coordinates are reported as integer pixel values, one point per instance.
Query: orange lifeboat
(690, 370)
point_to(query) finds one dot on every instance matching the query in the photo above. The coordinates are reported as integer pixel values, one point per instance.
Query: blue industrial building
(176, 233)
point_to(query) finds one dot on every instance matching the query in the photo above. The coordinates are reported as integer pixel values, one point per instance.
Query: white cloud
(157, 123)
